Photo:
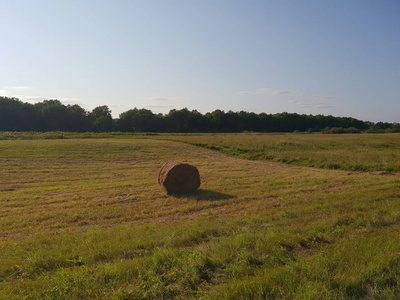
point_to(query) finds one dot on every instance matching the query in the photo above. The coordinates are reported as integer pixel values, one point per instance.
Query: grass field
(357, 152)
(84, 218)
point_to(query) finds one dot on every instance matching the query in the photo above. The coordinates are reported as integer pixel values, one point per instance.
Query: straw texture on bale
(179, 178)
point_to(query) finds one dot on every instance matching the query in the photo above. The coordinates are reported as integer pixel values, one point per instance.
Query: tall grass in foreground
(218, 261)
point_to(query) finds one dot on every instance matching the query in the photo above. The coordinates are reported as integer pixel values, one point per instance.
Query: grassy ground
(85, 219)
(357, 152)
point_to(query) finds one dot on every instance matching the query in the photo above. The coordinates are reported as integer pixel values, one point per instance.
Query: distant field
(357, 152)
(353, 152)
(84, 218)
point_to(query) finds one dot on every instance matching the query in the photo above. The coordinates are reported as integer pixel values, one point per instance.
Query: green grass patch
(353, 152)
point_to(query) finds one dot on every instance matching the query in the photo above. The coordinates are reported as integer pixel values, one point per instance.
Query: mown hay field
(85, 219)
(358, 152)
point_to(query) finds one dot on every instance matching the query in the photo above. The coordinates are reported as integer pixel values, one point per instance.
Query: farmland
(290, 216)
(358, 152)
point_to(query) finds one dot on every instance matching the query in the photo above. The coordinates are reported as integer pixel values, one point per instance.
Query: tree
(53, 115)
(77, 119)
(101, 119)
(17, 116)
(138, 120)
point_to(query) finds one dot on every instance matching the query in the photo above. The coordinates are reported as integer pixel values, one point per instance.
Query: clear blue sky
(339, 57)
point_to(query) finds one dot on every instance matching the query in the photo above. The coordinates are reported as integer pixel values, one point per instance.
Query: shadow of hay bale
(206, 195)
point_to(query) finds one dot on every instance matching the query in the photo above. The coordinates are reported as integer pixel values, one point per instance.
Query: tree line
(52, 115)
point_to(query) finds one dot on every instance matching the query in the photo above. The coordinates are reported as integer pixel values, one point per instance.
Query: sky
(330, 57)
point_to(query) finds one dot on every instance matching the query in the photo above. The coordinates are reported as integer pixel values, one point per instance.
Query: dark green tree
(53, 115)
(78, 119)
(138, 120)
(101, 119)
(17, 116)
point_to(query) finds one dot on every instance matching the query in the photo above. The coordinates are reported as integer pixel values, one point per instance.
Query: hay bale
(179, 178)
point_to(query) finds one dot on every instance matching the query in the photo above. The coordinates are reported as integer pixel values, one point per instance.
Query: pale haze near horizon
(336, 57)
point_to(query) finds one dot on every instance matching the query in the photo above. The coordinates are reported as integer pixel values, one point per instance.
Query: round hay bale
(179, 178)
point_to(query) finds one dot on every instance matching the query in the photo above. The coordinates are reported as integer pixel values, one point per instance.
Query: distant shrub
(381, 127)
(341, 130)
(375, 130)
(393, 130)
